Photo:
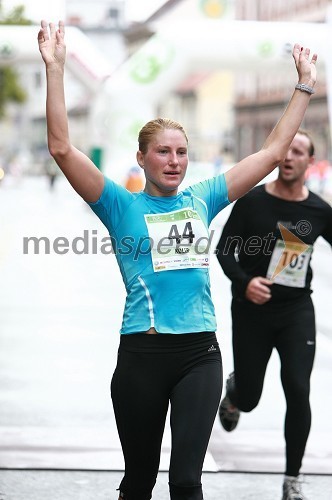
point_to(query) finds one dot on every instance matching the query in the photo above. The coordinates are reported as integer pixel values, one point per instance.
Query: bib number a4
(179, 240)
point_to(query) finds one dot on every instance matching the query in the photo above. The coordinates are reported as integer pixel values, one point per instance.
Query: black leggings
(291, 330)
(153, 371)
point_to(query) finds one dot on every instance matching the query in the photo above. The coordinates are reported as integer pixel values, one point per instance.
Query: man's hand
(51, 43)
(258, 290)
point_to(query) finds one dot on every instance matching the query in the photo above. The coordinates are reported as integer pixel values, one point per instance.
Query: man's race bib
(289, 263)
(178, 239)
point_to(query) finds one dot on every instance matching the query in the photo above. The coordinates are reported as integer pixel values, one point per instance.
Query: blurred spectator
(134, 181)
(218, 164)
(52, 171)
(317, 176)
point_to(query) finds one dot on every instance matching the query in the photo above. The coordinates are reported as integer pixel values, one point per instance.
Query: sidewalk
(79, 485)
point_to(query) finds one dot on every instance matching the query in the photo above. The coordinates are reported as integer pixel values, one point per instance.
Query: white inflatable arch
(130, 97)
(123, 101)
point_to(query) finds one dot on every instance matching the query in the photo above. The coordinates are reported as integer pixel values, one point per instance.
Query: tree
(10, 88)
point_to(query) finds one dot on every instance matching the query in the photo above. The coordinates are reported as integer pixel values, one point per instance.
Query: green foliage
(10, 87)
(14, 17)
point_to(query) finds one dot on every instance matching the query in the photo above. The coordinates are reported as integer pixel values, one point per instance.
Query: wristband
(305, 88)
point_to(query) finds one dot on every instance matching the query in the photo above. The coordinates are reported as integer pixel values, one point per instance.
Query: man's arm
(230, 240)
(80, 171)
(256, 289)
(327, 233)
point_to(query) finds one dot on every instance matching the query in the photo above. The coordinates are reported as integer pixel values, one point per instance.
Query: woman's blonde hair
(153, 127)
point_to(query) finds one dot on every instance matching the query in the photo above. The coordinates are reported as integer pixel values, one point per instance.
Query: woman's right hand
(51, 43)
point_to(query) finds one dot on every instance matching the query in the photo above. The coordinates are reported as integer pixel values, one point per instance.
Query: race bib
(289, 263)
(178, 240)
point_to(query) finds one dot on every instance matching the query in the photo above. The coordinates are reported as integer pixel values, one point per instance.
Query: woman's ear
(140, 158)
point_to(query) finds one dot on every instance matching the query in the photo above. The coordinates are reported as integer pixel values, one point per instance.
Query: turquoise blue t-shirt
(161, 245)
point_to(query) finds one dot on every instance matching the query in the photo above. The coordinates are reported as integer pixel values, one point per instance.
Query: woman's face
(165, 162)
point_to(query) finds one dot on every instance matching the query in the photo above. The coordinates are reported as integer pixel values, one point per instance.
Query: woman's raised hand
(305, 65)
(51, 43)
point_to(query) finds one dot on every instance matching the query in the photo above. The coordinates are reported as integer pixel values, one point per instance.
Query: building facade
(260, 98)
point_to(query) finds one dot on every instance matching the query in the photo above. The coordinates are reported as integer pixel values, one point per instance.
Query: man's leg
(253, 341)
(296, 347)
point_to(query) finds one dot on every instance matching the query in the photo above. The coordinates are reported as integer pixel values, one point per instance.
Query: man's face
(297, 160)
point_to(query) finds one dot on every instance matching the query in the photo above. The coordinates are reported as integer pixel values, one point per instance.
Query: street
(60, 315)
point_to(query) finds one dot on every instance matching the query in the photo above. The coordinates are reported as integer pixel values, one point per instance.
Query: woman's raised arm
(80, 171)
(252, 169)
